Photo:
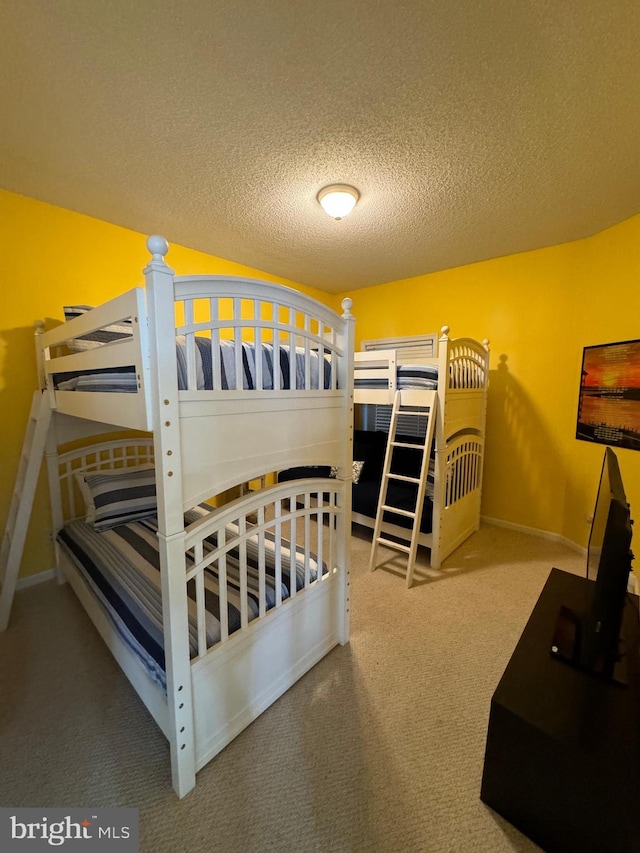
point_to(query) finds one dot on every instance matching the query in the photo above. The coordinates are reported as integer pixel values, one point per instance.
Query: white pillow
(357, 471)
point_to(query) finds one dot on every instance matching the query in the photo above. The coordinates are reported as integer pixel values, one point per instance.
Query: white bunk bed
(222, 669)
(459, 369)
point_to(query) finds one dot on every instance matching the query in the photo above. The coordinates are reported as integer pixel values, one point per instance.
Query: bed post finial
(444, 331)
(485, 344)
(347, 305)
(158, 247)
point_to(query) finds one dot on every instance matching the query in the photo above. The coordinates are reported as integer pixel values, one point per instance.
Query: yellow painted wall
(539, 309)
(52, 257)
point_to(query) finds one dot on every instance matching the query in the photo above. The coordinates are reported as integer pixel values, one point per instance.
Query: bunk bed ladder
(22, 501)
(409, 403)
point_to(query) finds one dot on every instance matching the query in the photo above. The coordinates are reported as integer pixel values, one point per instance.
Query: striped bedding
(417, 376)
(124, 380)
(121, 567)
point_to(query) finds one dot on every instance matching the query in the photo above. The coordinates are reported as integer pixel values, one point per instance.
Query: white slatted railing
(261, 332)
(285, 533)
(463, 470)
(467, 365)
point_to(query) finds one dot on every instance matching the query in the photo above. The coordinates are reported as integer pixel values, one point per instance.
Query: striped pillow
(116, 497)
(108, 334)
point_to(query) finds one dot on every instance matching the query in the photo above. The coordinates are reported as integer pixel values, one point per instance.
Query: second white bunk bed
(228, 379)
(458, 369)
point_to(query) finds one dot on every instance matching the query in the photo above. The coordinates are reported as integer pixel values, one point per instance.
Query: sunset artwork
(609, 402)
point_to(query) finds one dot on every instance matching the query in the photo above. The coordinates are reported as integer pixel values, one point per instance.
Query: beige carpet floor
(379, 748)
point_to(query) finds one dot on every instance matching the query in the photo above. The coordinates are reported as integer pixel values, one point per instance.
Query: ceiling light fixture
(338, 200)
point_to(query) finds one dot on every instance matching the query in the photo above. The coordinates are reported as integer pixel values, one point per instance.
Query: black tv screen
(599, 518)
(589, 638)
(608, 564)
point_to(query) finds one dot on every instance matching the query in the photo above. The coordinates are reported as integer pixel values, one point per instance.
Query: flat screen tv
(590, 638)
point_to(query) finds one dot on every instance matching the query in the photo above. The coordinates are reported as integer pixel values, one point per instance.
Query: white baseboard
(32, 580)
(633, 585)
(534, 531)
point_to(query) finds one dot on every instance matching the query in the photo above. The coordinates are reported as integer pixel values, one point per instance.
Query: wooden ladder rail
(22, 501)
(413, 403)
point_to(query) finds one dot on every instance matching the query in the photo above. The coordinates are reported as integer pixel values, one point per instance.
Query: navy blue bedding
(121, 567)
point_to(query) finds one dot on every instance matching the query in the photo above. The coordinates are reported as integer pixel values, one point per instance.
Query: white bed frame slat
(293, 534)
(262, 563)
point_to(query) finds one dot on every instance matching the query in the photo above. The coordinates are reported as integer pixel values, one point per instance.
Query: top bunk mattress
(408, 376)
(273, 369)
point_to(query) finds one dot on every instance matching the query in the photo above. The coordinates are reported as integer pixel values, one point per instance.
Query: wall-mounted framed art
(609, 401)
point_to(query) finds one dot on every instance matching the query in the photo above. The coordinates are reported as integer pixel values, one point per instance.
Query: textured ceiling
(471, 129)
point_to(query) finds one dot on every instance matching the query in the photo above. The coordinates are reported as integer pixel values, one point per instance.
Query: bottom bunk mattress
(121, 567)
(369, 449)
